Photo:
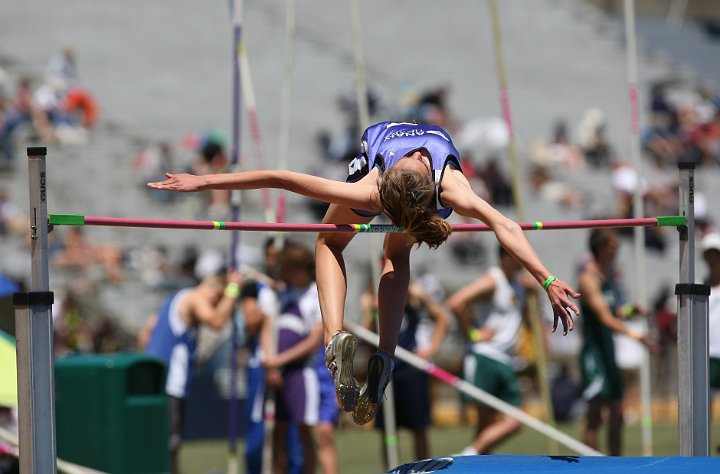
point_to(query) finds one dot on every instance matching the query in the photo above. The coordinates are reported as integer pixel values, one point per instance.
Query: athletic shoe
(469, 451)
(380, 367)
(339, 355)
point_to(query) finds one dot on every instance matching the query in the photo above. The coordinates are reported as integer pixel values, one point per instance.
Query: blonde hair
(406, 198)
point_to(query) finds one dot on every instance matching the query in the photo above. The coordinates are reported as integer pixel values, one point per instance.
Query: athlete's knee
(333, 242)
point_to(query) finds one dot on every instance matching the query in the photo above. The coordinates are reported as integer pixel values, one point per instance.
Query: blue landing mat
(558, 464)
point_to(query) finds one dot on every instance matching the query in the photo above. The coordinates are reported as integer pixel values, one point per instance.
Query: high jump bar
(78, 220)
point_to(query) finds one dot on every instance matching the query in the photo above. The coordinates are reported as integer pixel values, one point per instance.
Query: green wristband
(475, 335)
(549, 280)
(232, 290)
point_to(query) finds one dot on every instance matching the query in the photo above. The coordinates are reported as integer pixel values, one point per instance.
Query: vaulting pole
(286, 100)
(638, 211)
(235, 212)
(532, 302)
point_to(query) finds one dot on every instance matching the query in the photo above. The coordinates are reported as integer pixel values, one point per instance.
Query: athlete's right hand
(184, 183)
(274, 378)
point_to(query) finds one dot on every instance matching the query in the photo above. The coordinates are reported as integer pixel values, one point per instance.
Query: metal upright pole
(693, 395)
(34, 333)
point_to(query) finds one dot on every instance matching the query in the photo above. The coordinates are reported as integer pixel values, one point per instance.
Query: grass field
(359, 449)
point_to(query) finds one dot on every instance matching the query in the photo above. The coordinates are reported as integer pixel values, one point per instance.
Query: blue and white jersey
(175, 342)
(385, 143)
(268, 304)
(299, 312)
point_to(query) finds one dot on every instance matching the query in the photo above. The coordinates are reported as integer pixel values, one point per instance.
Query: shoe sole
(366, 408)
(346, 388)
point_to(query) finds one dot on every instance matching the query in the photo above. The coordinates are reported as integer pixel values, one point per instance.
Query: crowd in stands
(58, 108)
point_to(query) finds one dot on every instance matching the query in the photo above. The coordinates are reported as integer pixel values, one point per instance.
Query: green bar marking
(671, 221)
(66, 219)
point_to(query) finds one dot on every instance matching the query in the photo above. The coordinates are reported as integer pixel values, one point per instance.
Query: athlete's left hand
(559, 294)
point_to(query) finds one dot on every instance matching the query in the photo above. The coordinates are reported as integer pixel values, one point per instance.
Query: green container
(111, 413)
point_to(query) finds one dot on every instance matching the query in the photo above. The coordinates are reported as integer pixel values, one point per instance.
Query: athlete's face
(418, 161)
(610, 250)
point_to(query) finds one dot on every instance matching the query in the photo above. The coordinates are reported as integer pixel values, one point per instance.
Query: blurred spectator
(660, 143)
(80, 108)
(467, 247)
(431, 109)
(342, 147)
(564, 394)
(485, 136)
(699, 131)
(9, 123)
(159, 271)
(8, 404)
(292, 369)
(659, 199)
(259, 308)
(492, 334)
(547, 188)
(659, 103)
(592, 139)
(46, 102)
(212, 159)
(602, 306)
(78, 253)
(337, 149)
(664, 310)
(62, 108)
(430, 284)
(171, 335)
(12, 219)
(9, 454)
(150, 164)
(410, 385)
(22, 100)
(258, 305)
(82, 324)
(559, 154)
(328, 417)
(63, 65)
(710, 246)
(703, 219)
(497, 182)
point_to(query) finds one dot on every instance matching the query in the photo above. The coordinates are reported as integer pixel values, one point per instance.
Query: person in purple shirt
(291, 370)
(410, 173)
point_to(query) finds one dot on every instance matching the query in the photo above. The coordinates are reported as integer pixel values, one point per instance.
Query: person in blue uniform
(410, 173)
(171, 335)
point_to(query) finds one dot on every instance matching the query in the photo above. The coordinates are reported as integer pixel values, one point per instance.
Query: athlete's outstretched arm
(359, 195)
(457, 193)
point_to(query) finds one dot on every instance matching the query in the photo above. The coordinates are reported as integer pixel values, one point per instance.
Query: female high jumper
(411, 173)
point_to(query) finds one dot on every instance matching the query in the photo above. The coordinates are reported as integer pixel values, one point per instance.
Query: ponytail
(406, 197)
